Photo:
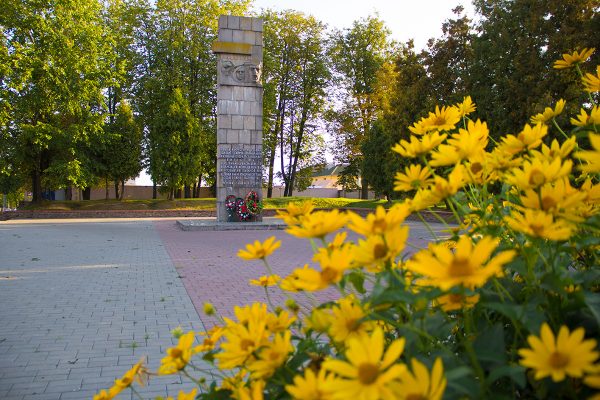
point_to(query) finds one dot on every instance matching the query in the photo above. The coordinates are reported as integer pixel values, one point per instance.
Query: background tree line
(93, 91)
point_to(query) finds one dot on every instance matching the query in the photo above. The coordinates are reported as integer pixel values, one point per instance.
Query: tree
(174, 144)
(58, 56)
(296, 74)
(357, 55)
(176, 40)
(124, 147)
(511, 77)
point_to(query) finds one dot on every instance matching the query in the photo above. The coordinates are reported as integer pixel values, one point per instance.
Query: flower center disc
(367, 373)
(558, 360)
(245, 343)
(415, 396)
(536, 178)
(460, 267)
(379, 251)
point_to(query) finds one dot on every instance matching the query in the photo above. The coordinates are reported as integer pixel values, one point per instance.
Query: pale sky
(407, 19)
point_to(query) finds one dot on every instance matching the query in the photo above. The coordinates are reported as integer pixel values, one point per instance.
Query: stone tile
(246, 23)
(233, 22)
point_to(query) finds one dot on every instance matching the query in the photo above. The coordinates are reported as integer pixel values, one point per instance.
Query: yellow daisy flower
(279, 322)
(295, 212)
(266, 280)
(592, 157)
(529, 138)
(420, 384)
(369, 371)
(178, 357)
(568, 354)
(469, 265)
(254, 392)
(107, 395)
(319, 224)
(380, 221)
(185, 396)
(376, 250)
(456, 301)
(556, 150)
(240, 344)
(558, 198)
(345, 321)
(592, 82)
(319, 320)
(271, 356)
(442, 119)
(549, 113)
(258, 250)
(422, 200)
(569, 60)
(536, 173)
(212, 337)
(416, 147)
(443, 188)
(583, 119)
(311, 386)
(414, 177)
(466, 107)
(254, 313)
(540, 224)
(234, 382)
(138, 373)
(465, 144)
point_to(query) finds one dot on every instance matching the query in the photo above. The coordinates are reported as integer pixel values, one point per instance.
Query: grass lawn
(193, 204)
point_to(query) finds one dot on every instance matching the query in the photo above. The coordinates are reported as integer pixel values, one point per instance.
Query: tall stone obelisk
(239, 108)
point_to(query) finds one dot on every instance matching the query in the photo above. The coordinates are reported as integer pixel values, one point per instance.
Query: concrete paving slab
(211, 224)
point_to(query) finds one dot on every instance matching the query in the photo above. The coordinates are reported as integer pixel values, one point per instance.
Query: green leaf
(515, 372)
(489, 345)
(357, 279)
(592, 300)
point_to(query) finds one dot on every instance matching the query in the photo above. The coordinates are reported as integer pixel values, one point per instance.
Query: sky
(407, 19)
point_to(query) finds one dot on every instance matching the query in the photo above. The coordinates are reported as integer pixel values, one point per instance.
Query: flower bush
(504, 305)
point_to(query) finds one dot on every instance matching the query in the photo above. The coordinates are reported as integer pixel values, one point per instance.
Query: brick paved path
(81, 302)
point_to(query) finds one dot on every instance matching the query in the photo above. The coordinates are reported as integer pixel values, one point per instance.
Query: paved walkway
(80, 302)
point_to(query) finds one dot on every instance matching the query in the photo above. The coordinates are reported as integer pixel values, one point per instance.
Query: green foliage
(124, 145)
(175, 143)
(358, 54)
(58, 57)
(295, 76)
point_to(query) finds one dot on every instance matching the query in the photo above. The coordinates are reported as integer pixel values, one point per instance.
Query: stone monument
(239, 109)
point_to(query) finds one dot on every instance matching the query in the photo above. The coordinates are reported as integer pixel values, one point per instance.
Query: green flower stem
(469, 348)
(427, 225)
(458, 220)
(196, 381)
(559, 128)
(136, 393)
(269, 298)
(581, 77)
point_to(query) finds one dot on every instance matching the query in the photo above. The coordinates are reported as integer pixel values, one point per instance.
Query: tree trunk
(36, 186)
(271, 167)
(86, 193)
(116, 190)
(187, 192)
(178, 193)
(106, 186)
(69, 193)
(364, 190)
(154, 194)
(122, 190)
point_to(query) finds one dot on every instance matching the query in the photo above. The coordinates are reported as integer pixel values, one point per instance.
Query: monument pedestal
(239, 109)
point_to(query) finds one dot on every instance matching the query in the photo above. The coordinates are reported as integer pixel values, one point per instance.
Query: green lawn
(194, 204)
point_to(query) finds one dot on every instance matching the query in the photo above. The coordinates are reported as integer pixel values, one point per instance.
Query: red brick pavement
(207, 263)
